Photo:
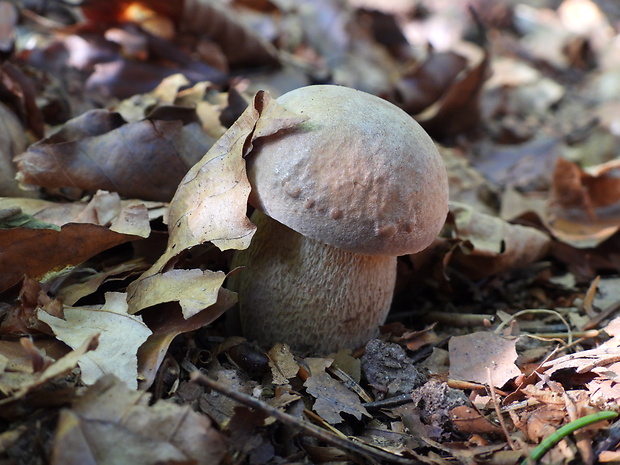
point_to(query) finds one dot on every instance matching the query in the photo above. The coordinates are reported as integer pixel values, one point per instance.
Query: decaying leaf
(112, 424)
(12, 142)
(99, 150)
(584, 206)
(282, 363)
(210, 203)
(241, 45)
(116, 329)
(18, 388)
(332, 397)
(458, 109)
(581, 207)
(490, 244)
(199, 290)
(483, 357)
(34, 252)
(169, 322)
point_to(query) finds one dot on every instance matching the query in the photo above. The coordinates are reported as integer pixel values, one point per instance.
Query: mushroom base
(312, 296)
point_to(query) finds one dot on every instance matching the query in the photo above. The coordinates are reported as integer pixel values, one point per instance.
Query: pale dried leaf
(491, 245)
(166, 324)
(472, 355)
(332, 397)
(198, 288)
(211, 202)
(120, 336)
(282, 363)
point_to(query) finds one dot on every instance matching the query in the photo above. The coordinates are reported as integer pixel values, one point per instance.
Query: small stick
(307, 428)
(498, 411)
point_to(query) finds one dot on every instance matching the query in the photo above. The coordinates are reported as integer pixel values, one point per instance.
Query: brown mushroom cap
(360, 174)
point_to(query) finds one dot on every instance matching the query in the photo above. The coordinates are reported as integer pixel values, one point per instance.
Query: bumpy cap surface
(360, 174)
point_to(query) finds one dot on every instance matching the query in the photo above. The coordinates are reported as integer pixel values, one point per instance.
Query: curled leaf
(210, 203)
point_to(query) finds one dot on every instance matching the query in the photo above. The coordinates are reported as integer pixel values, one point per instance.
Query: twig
(389, 402)
(498, 411)
(361, 449)
(535, 311)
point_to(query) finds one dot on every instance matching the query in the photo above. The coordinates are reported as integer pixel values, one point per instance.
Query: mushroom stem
(307, 294)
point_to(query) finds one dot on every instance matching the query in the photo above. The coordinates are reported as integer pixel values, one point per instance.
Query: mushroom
(337, 199)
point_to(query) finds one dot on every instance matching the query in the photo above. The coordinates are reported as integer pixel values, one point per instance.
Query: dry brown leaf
(282, 363)
(582, 207)
(34, 252)
(473, 355)
(241, 45)
(167, 322)
(458, 110)
(98, 150)
(194, 289)
(120, 336)
(29, 383)
(469, 420)
(103, 208)
(12, 142)
(211, 202)
(491, 245)
(332, 397)
(116, 425)
(419, 88)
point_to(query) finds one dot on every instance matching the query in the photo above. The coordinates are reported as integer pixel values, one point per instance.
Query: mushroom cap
(359, 174)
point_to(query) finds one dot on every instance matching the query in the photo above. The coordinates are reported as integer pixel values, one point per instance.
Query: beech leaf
(120, 336)
(210, 205)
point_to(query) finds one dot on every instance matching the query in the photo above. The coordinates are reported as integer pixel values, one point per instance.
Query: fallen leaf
(483, 357)
(240, 44)
(34, 252)
(199, 290)
(282, 363)
(491, 245)
(469, 420)
(211, 202)
(332, 397)
(111, 424)
(120, 336)
(167, 323)
(99, 150)
(32, 382)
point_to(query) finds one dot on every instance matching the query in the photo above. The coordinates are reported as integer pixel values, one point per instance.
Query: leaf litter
(123, 176)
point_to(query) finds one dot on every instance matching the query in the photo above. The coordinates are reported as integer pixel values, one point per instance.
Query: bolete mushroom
(337, 199)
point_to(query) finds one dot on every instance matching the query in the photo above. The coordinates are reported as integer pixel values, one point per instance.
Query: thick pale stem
(309, 295)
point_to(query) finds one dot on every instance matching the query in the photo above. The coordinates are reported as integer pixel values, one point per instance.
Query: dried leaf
(167, 323)
(199, 290)
(332, 397)
(242, 46)
(66, 363)
(34, 252)
(419, 88)
(472, 355)
(469, 420)
(282, 363)
(98, 150)
(116, 329)
(111, 424)
(491, 245)
(211, 202)
(458, 110)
